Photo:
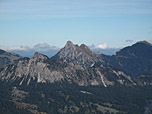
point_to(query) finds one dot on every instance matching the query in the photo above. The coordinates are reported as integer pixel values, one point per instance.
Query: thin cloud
(150, 32)
(71, 8)
(102, 46)
(129, 41)
(11, 48)
(37, 47)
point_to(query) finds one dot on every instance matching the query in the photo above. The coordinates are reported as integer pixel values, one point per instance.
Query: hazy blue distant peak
(103, 46)
(37, 47)
(28, 51)
(44, 48)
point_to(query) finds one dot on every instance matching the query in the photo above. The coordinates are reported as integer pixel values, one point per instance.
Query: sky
(106, 23)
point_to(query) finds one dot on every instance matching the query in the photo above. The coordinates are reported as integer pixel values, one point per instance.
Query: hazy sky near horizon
(114, 22)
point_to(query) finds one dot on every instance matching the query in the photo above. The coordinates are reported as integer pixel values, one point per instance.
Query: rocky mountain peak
(85, 48)
(81, 55)
(144, 42)
(86, 68)
(69, 43)
(39, 57)
(70, 46)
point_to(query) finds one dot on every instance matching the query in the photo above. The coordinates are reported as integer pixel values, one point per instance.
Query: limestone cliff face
(34, 68)
(77, 64)
(44, 70)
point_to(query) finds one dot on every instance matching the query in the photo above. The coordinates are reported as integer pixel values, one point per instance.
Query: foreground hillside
(69, 98)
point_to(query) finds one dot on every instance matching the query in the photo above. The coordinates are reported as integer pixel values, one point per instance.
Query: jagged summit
(69, 48)
(69, 43)
(39, 57)
(35, 69)
(58, 84)
(85, 48)
(81, 55)
(80, 65)
(36, 54)
(82, 47)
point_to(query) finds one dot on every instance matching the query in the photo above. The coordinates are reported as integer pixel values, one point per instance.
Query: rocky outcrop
(41, 69)
(135, 60)
(80, 55)
(77, 64)
(8, 58)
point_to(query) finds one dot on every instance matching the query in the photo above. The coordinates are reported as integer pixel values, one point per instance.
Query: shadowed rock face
(44, 70)
(39, 57)
(40, 84)
(134, 60)
(79, 65)
(7, 58)
(2, 52)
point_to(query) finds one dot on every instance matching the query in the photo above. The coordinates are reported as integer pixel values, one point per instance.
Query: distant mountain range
(46, 49)
(78, 66)
(134, 60)
(27, 51)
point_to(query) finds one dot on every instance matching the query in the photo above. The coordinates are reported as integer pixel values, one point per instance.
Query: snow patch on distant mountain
(102, 46)
(104, 49)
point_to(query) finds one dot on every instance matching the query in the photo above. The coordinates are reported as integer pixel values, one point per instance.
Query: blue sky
(115, 22)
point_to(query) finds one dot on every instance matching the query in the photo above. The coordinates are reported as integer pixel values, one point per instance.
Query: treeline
(68, 98)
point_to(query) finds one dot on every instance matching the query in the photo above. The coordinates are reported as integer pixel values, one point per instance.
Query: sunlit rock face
(80, 55)
(77, 64)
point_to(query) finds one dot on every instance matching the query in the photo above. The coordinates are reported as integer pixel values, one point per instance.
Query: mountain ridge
(81, 55)
(8, 58)
(133, 60)
(43, 85)
(79, 64)
(44, 70)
